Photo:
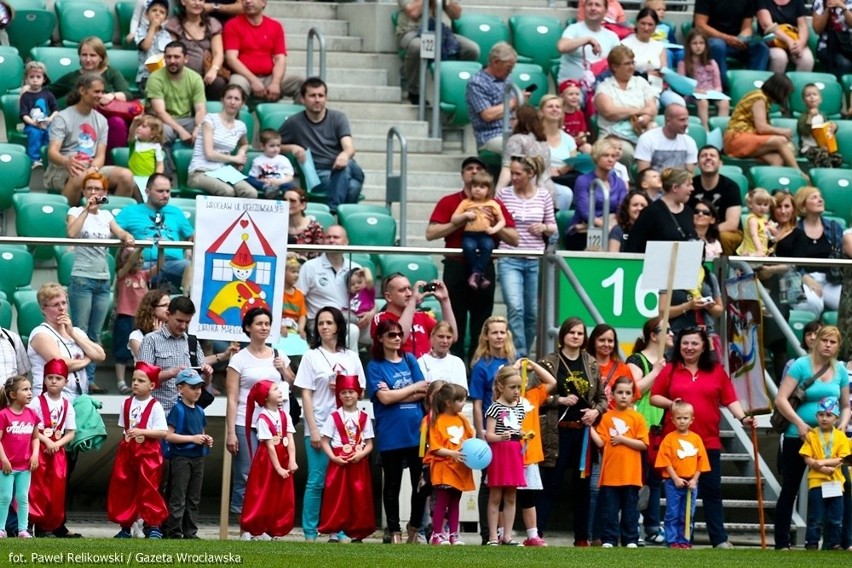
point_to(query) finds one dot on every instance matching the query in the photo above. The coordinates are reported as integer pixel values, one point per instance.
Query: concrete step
(420, 145)
(430, 186)
(416, 162)
(367, 93)
(296, 55)
(327, 27)
(730, 457)
(297, 10)
(333, 43)
(409, 128)
(739, 480)
(368, 111)
(340, 77)
(733, 527)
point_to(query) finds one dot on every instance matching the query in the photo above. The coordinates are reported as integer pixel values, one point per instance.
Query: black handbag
(780, 422)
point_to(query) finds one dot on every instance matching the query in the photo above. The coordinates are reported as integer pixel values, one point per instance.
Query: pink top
(18, 436)
(527, 212)
(362, 301)
(129, 292)
(707, 76)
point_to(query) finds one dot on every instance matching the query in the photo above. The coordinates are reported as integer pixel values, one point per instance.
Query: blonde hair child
(758, 227)
(145, 139)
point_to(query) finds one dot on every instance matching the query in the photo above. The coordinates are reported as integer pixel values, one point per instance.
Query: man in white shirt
(587, 40)
(669, 146)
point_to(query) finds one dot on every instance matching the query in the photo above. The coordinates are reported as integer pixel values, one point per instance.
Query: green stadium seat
(720, 122)
(124, 15)
(58, 60)
(526, 74)
(5, 314)
(344, 210)
(11, 72)
(16, 269)
(116, 204)
(742, 182)
(65, 263)
(273, 115)
(829, 318)
(454, 78)
(727, 169)
(182, 157)
(483, 29)
(41, 220)
(844, 141)
(126, 61)
(27, 5)
(31, 28)
(11, 117)
(365, 261)
(831, 90)
(121, 156)
(563, 218)
(324, 218)
(415, 267)
(29, 317)
(187, 205)
(777, 177)
(797, 320)
(743, 81)
(245, 116)
(431, 305)
(16, 167)
(79, 19)
(370, 229)
(535, 37)
(21, 199)
(836, 188)
(313, 207)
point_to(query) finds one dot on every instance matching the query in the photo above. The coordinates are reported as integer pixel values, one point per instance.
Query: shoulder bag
(780, 422)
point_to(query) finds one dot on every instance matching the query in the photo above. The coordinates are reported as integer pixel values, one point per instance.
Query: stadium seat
(563, 219)
(116, 204)
(127, 62)
(11, 118)
(791, 123)
(16, 167)
(121, 156)
(58, 60)
(16, 269)
(21, 199)
(314, 207)
(29, 317)
(831, 90)
(720, 122)
(27, 5)
(79, 19)
(31, 28)
(124, 14)
(324, 218)
(41, 220)
(741, 180)
(836, 188)
(483, 29)
(535, 37)
(844, 141)
(829, 317)
(727, 169)
(526, 74)
(798, 319)
(5, 314)
(743, 81)
(245, 116)
(777, 177)
(65, 263)
(11, 73)
(432, 306)
(344, 210)
(273, 115)
(454, 78)
(187, 206)
(182, 157)
(366, 261)
(370, 229)
(416, 267)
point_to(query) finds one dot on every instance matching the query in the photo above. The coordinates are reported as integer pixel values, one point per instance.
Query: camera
(101, 200)
(430, 287)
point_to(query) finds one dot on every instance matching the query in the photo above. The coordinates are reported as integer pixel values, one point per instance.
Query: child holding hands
(347, 440)
(57, 417)
(823, 451)
(682, 459)
(622, 434)
(19, 445)
(269, 504)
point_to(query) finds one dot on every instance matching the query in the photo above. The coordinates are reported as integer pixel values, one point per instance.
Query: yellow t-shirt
(742, 119)
(815, 446)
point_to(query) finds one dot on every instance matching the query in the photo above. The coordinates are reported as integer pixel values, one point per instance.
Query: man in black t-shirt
(728, 25)
(723, 193)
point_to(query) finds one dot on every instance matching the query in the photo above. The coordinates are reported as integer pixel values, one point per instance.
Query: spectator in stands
(650, 55)
(604, 155)
(408, 27)
(669, 146)
(326, 133)
(705, 219)
(697, 65)
(832, 379)
(562, 146)
(89, 291)
(256, 54)
(177, 96)
(669, 218)
(577, 403)
(78, 146)
(728, 25)
(626, 103)
(750, 133)
(153, 311)
(94, 59)
(221, 134)
(151, 37)
(530, 204)
(223, 10)
(693, 364)
(301, 229)
(439, 364)
(527, 139)
(157, 220)
(470, 307)
(586, 44)
(629, 210)
(613, 13)
(402, 303)
(787, 20)
(832, 20)
(325, 282)
(202, 36)
(485, 95)
(723, 193)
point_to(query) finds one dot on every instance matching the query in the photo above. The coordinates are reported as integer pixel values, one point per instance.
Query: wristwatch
(216, 7)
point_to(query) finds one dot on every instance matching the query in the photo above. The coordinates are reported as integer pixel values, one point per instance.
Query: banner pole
(760, 511)
(224, 503)
(664, 324)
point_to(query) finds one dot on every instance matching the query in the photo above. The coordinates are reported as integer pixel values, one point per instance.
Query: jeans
(757, 55)
(596, 515)
(651, 514)
(17, 485)
(710, 492)
(519, 281)
(187, 475)
(477, 248)
(828, 511)
(343, 185)
(88, 300)
(612, 501)
(317, 464)
(471, 307)
(570, 448)
(36, 138)
(392, 466)
(675, 522)
(792, 468)
(241, 468)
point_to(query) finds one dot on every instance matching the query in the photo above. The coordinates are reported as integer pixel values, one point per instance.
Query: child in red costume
(270, 503)
(47, 488)
(347, 439)
(134, 485)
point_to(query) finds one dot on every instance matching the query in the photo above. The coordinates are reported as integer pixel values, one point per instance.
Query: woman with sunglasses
(694, 377)
(302, 230)
(645, 365)
(396, 387)
(705, 219)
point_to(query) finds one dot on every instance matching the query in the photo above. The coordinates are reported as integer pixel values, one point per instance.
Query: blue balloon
(477, 453)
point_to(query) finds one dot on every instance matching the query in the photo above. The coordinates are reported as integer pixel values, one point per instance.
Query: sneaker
(582, 543)
(492, 543)
(456, 540)
(727, 544)
(37, 164)
(640, 542)
(607, 545)
(262, 536)
(137, 529)
(2, 533)
(247, 536)
(155, 533)
(535, 541)
(438, 539)
(123, 534)
(632, 545)
(24, 534)
(421, 539)
(655, 538)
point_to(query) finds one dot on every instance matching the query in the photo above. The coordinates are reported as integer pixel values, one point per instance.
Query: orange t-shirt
(449, 432)
(533, 452)
(621, 465)
(685, 453)
(621, 370)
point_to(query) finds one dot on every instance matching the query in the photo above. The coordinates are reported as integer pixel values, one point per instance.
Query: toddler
(817, 154)
(698, 65)
(477, 239)
(758, 228)
(145, 139)
(362, 298)
(131, 285)
(649, 181)
(271, 173)
(151, 37)
(575, 120)
(37, 109)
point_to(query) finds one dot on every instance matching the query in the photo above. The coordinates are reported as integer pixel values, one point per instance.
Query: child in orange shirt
(681, 458)
(622, 434)
(294, 314)
(533, 452)
(449, 474)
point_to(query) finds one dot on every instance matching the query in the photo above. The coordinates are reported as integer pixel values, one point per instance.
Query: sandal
(493, 543)
(510, 542)
(95, 389)
(124, 389)
(396, 538)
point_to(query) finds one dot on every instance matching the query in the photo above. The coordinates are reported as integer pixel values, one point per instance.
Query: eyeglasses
(394, 335)
(702, 212)
(94, 188)
(660, 330)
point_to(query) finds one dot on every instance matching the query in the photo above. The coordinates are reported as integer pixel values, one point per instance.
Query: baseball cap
(190, 377)
(829, 405)
(473, 160)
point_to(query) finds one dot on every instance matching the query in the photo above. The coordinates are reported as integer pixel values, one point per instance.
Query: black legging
(393, 462)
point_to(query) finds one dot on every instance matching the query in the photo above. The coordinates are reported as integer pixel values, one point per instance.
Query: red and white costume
(47, 486)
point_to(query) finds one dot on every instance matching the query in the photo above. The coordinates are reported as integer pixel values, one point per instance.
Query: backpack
(168, 447)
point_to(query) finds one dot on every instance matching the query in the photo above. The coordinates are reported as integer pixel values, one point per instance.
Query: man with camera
(402, 302)
(157, 220)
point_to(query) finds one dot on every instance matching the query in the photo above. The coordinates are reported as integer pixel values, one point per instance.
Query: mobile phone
(531, 88)
(430, 287)
(707, 300)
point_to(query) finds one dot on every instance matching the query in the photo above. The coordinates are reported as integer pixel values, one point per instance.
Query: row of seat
(742, 81)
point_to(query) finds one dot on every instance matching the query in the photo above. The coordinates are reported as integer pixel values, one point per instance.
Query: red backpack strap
(127, 403)
(45, 410)
(341, 428)
(284, 422)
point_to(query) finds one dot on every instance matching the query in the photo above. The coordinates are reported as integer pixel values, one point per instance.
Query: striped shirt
(167, 351)
(224, 141)
(526, 212)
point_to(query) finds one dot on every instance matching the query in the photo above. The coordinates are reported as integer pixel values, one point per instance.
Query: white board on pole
(658, 256)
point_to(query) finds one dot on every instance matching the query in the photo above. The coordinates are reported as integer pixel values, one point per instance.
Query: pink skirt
(507, 465)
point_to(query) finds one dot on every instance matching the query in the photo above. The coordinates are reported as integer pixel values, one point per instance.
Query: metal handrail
(508, 91)
(604, 229)
(315, 34)
(398, 184)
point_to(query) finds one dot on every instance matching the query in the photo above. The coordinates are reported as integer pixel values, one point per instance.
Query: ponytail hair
(644, 340)
(9, 387)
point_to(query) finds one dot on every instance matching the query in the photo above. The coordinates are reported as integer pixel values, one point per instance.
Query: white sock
(532, 533)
